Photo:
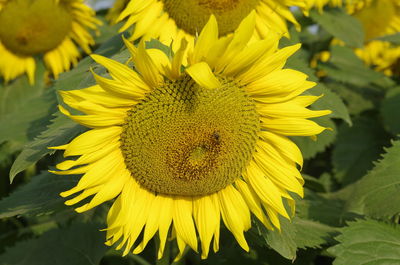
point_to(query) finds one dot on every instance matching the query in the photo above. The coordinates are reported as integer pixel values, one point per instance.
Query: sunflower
(52, 28)
(180, 146)
(379, 18)
(175, 20)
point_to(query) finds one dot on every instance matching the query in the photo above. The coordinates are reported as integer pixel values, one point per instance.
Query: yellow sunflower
(169, 20)
(52, 28)
(379, 18)
(180, 146)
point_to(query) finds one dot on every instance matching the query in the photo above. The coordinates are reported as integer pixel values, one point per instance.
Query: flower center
(192, 15)
(186, 140)
(30, 27)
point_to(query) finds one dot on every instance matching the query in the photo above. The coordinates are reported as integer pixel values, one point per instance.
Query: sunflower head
(34, 27)
(184, 142)
(378, 18)
(50, 28)
(173, 20)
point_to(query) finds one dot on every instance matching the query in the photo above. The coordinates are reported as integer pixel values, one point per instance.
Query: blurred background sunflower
(378, 18)
(183, 145)
(53, 29)
(169, 20)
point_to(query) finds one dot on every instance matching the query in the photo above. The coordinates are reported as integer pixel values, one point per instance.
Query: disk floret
(183, 139)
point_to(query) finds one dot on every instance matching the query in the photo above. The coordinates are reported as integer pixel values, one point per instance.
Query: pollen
(183, 139)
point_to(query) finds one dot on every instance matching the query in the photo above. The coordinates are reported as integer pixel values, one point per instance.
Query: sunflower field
(199, 132)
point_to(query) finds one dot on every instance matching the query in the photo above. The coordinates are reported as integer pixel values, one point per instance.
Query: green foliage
(394, 38)
(367, 242)
(79, 244)
(295, 234)
(337, 22)
(356, 101)
(331, 101)
(312, 234)
(59, 132)
(356, 149)
(377, 193)
(24, 109)
(390, 110)
(324, 208)
(40, 195)
(344, 66)
(282, 241)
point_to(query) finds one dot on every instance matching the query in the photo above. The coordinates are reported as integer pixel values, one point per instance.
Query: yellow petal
(146, 67)
(183, 221)
(206, 214)
(207, 38)
(122, 89)
(166, 215)
(94, 121)
(240, 39)
(121, 72)
(289, 109)
(131, 48)
(177, 61)
(268, 64)
(284, 146)
(252, 201)
(264, 188)
(202, 75)
(292, 126)
(235, 214)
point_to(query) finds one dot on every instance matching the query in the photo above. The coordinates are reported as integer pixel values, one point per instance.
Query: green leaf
(356, 148)
(390, 110)
(377, 194)
(79, 244)
(367, 242)
(345, 66)
(281, 241)
(309, 147)
(394, 38)
(15, 94)
(312, 234)
(24, 109)
(24, 124)
(324, 208)
(341, 25)
(356, 102)
(330, 101)
(38, 196)
(59, 132)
